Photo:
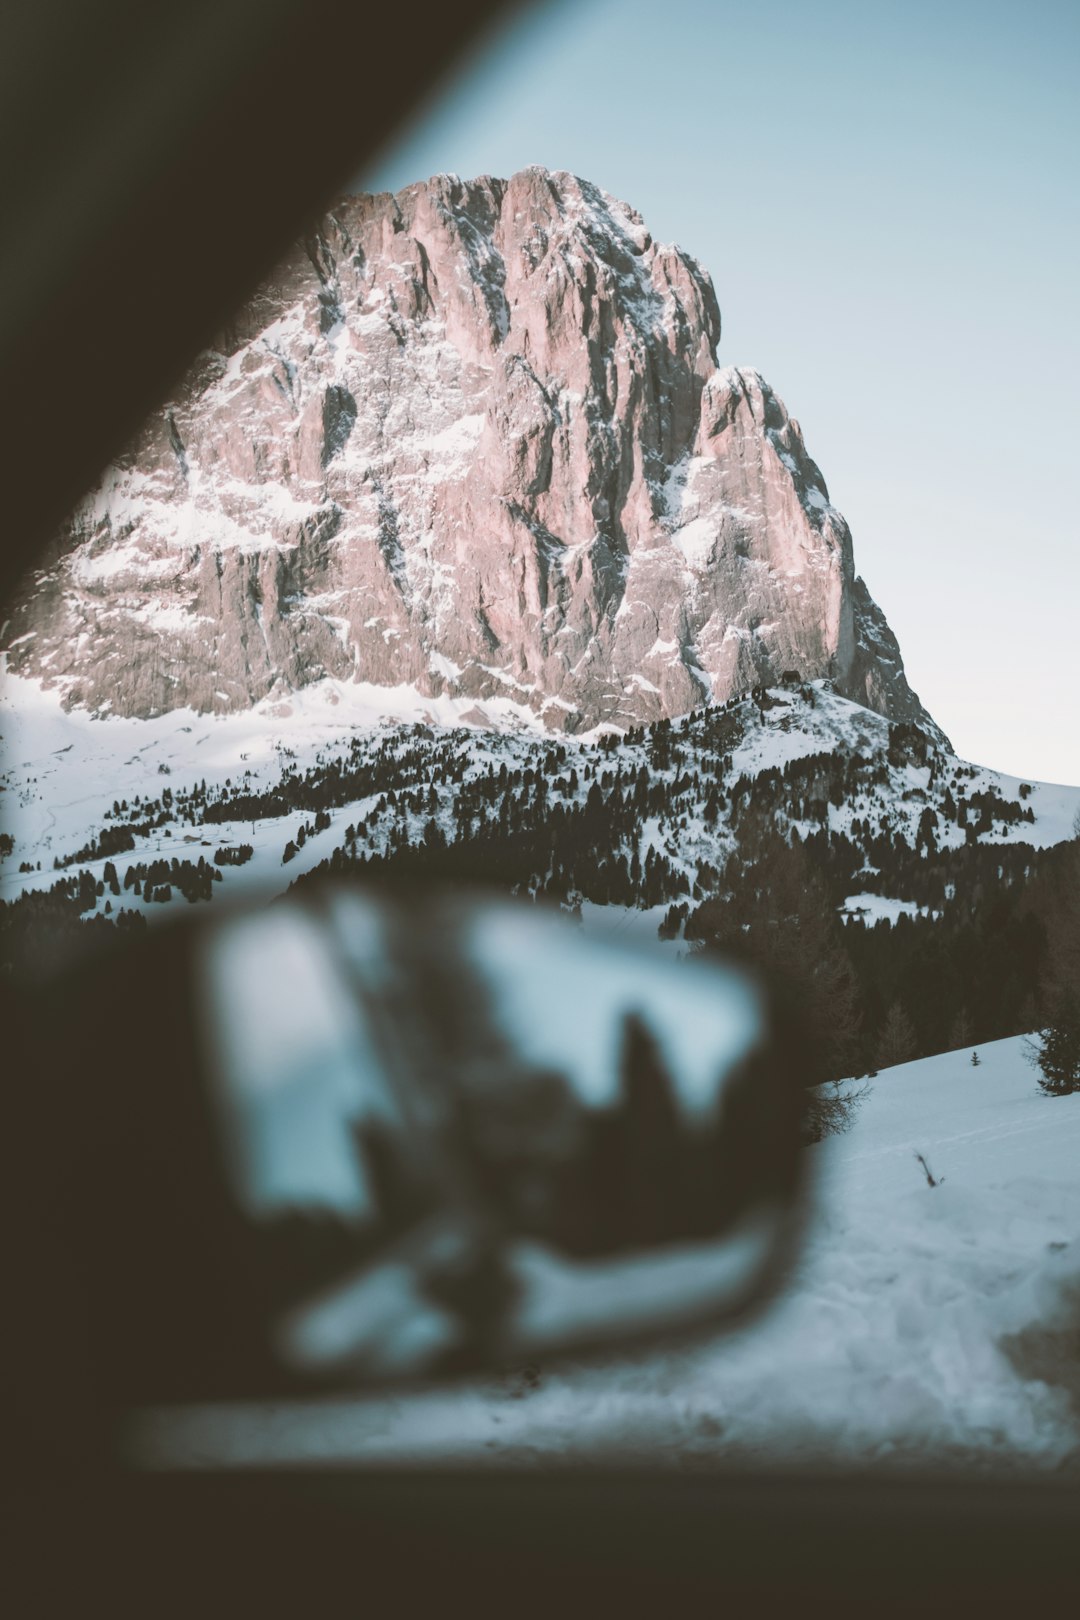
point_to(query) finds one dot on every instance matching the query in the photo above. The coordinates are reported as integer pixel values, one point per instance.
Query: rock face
(474, 439)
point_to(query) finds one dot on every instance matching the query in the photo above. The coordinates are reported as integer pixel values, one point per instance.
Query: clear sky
(886, 195)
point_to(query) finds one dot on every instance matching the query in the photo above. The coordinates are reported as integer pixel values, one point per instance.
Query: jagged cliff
(472, 438)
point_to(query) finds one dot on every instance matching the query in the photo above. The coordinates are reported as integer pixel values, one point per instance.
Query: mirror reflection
(466, 1130)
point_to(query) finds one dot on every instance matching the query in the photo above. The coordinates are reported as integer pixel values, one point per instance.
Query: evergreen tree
(651, 1183)
(795, 933)
(1058, 1051)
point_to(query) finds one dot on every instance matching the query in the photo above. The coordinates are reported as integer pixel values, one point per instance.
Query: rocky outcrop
(472, 438)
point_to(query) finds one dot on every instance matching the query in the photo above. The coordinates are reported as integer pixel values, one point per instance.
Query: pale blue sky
(885, 193)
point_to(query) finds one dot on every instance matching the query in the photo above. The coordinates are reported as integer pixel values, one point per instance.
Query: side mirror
(361, 1138)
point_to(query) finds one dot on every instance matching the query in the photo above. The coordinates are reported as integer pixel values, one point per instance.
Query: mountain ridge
(473, 437)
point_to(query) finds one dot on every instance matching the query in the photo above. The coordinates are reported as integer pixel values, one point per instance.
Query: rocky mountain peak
(472, 438)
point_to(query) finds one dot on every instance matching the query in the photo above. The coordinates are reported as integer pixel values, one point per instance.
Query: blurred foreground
(931, 1326)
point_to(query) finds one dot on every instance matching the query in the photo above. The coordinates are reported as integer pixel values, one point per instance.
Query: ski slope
(925, 1325)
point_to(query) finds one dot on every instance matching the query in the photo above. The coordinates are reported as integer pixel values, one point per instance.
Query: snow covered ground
(60, 773)
(925, 1324)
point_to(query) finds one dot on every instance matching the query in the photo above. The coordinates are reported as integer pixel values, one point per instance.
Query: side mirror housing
(364, 1139)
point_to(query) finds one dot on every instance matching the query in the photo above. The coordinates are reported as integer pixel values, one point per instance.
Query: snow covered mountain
(473, 439)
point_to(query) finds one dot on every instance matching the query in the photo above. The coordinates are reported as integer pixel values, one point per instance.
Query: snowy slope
(61, 772)
(925, 1325)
